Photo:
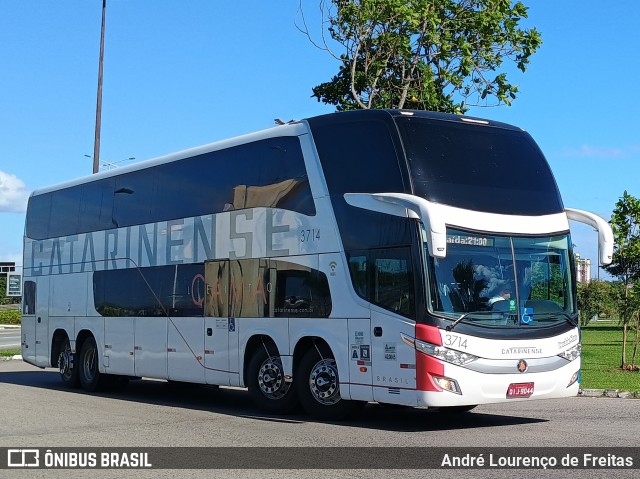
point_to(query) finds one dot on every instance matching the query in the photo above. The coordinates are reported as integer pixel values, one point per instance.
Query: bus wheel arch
(63, 358)
(265, 377)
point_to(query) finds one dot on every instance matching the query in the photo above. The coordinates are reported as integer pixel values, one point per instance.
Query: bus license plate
(520, 390)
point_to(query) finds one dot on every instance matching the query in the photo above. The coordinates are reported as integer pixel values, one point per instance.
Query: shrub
(10, 317)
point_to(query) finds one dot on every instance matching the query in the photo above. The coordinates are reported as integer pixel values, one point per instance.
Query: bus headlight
(445, 354)
(571, 353)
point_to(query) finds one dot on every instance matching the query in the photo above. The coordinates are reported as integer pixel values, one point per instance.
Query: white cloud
(588, 151)
(13, 194)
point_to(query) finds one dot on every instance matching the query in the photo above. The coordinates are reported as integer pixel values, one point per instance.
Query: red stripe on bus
(426, 366)
(430, 334)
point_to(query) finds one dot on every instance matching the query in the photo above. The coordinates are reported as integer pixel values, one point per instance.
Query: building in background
(10, 286)
(6, 267)
(583, 269)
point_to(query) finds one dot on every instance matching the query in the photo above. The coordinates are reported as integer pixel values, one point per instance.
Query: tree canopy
(440, 55)
(625, 222)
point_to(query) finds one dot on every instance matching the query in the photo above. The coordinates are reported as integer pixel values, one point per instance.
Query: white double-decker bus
(402, 257)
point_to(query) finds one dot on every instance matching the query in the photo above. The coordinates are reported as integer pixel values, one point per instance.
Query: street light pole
(96, 143)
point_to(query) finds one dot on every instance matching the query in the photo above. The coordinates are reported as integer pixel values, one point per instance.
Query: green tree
(625, 222)
(3, 291)
(634, 321)
(441, 55)
(596, 298)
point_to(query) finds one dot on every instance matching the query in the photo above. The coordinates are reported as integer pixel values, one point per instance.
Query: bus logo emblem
(522, 366)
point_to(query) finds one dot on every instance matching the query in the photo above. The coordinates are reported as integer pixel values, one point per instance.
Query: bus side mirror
(407, 206)
(605, 234)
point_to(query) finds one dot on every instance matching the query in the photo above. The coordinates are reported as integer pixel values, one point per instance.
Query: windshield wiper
(568, 317)
(465, 315)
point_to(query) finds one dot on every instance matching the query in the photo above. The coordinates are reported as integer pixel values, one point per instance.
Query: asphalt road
(38, 412)
(9, 338)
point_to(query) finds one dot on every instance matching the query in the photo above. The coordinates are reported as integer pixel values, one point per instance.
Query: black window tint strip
(259, 288)
(479, 168)
(266, 173)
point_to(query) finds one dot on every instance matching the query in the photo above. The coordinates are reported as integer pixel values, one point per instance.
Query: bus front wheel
(266, 382)
(318, 385)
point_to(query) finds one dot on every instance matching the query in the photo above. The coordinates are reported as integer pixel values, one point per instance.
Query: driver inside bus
(504, 293)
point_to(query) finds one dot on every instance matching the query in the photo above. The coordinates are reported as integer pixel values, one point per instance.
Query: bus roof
(289, 129)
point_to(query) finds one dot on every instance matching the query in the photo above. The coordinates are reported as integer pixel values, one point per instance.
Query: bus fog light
(574, 378)
(447, 384)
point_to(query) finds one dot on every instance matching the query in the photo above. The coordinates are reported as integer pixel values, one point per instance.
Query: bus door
(393, 361)
(42, 321)
(217, 322)
(28, 329)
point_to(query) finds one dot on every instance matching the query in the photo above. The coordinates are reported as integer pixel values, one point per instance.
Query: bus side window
(29, 299)
(358, 270)
(300, 291)
(392, 280)
(384, 277)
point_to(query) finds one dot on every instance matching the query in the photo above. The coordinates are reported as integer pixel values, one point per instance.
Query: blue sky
(179, 74)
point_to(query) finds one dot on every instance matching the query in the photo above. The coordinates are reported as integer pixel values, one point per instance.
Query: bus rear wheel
(266, 382)
(90, 376)
(318, 385)
(66, 365)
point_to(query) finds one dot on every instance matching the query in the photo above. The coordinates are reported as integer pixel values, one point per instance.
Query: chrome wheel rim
(65, 362)
(271, 379)
(323, 382)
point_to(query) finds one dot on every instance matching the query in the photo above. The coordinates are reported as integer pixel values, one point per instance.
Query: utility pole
(96, 143)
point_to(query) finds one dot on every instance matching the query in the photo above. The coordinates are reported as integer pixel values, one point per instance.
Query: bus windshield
(503, 281)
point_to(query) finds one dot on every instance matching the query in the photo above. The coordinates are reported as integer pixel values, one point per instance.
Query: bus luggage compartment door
(216, 322)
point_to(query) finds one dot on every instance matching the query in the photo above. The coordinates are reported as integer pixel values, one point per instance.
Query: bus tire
(266, 382)
(67, 365)
(90, 376)
(318, 386)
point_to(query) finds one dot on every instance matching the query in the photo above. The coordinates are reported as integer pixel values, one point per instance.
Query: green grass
(7, 353)
(601, 358)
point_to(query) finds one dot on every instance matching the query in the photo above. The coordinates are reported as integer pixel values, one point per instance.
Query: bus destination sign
(470, 240)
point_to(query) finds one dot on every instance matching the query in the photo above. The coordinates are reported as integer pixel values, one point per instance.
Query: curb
(608, 393)
(17, 357)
